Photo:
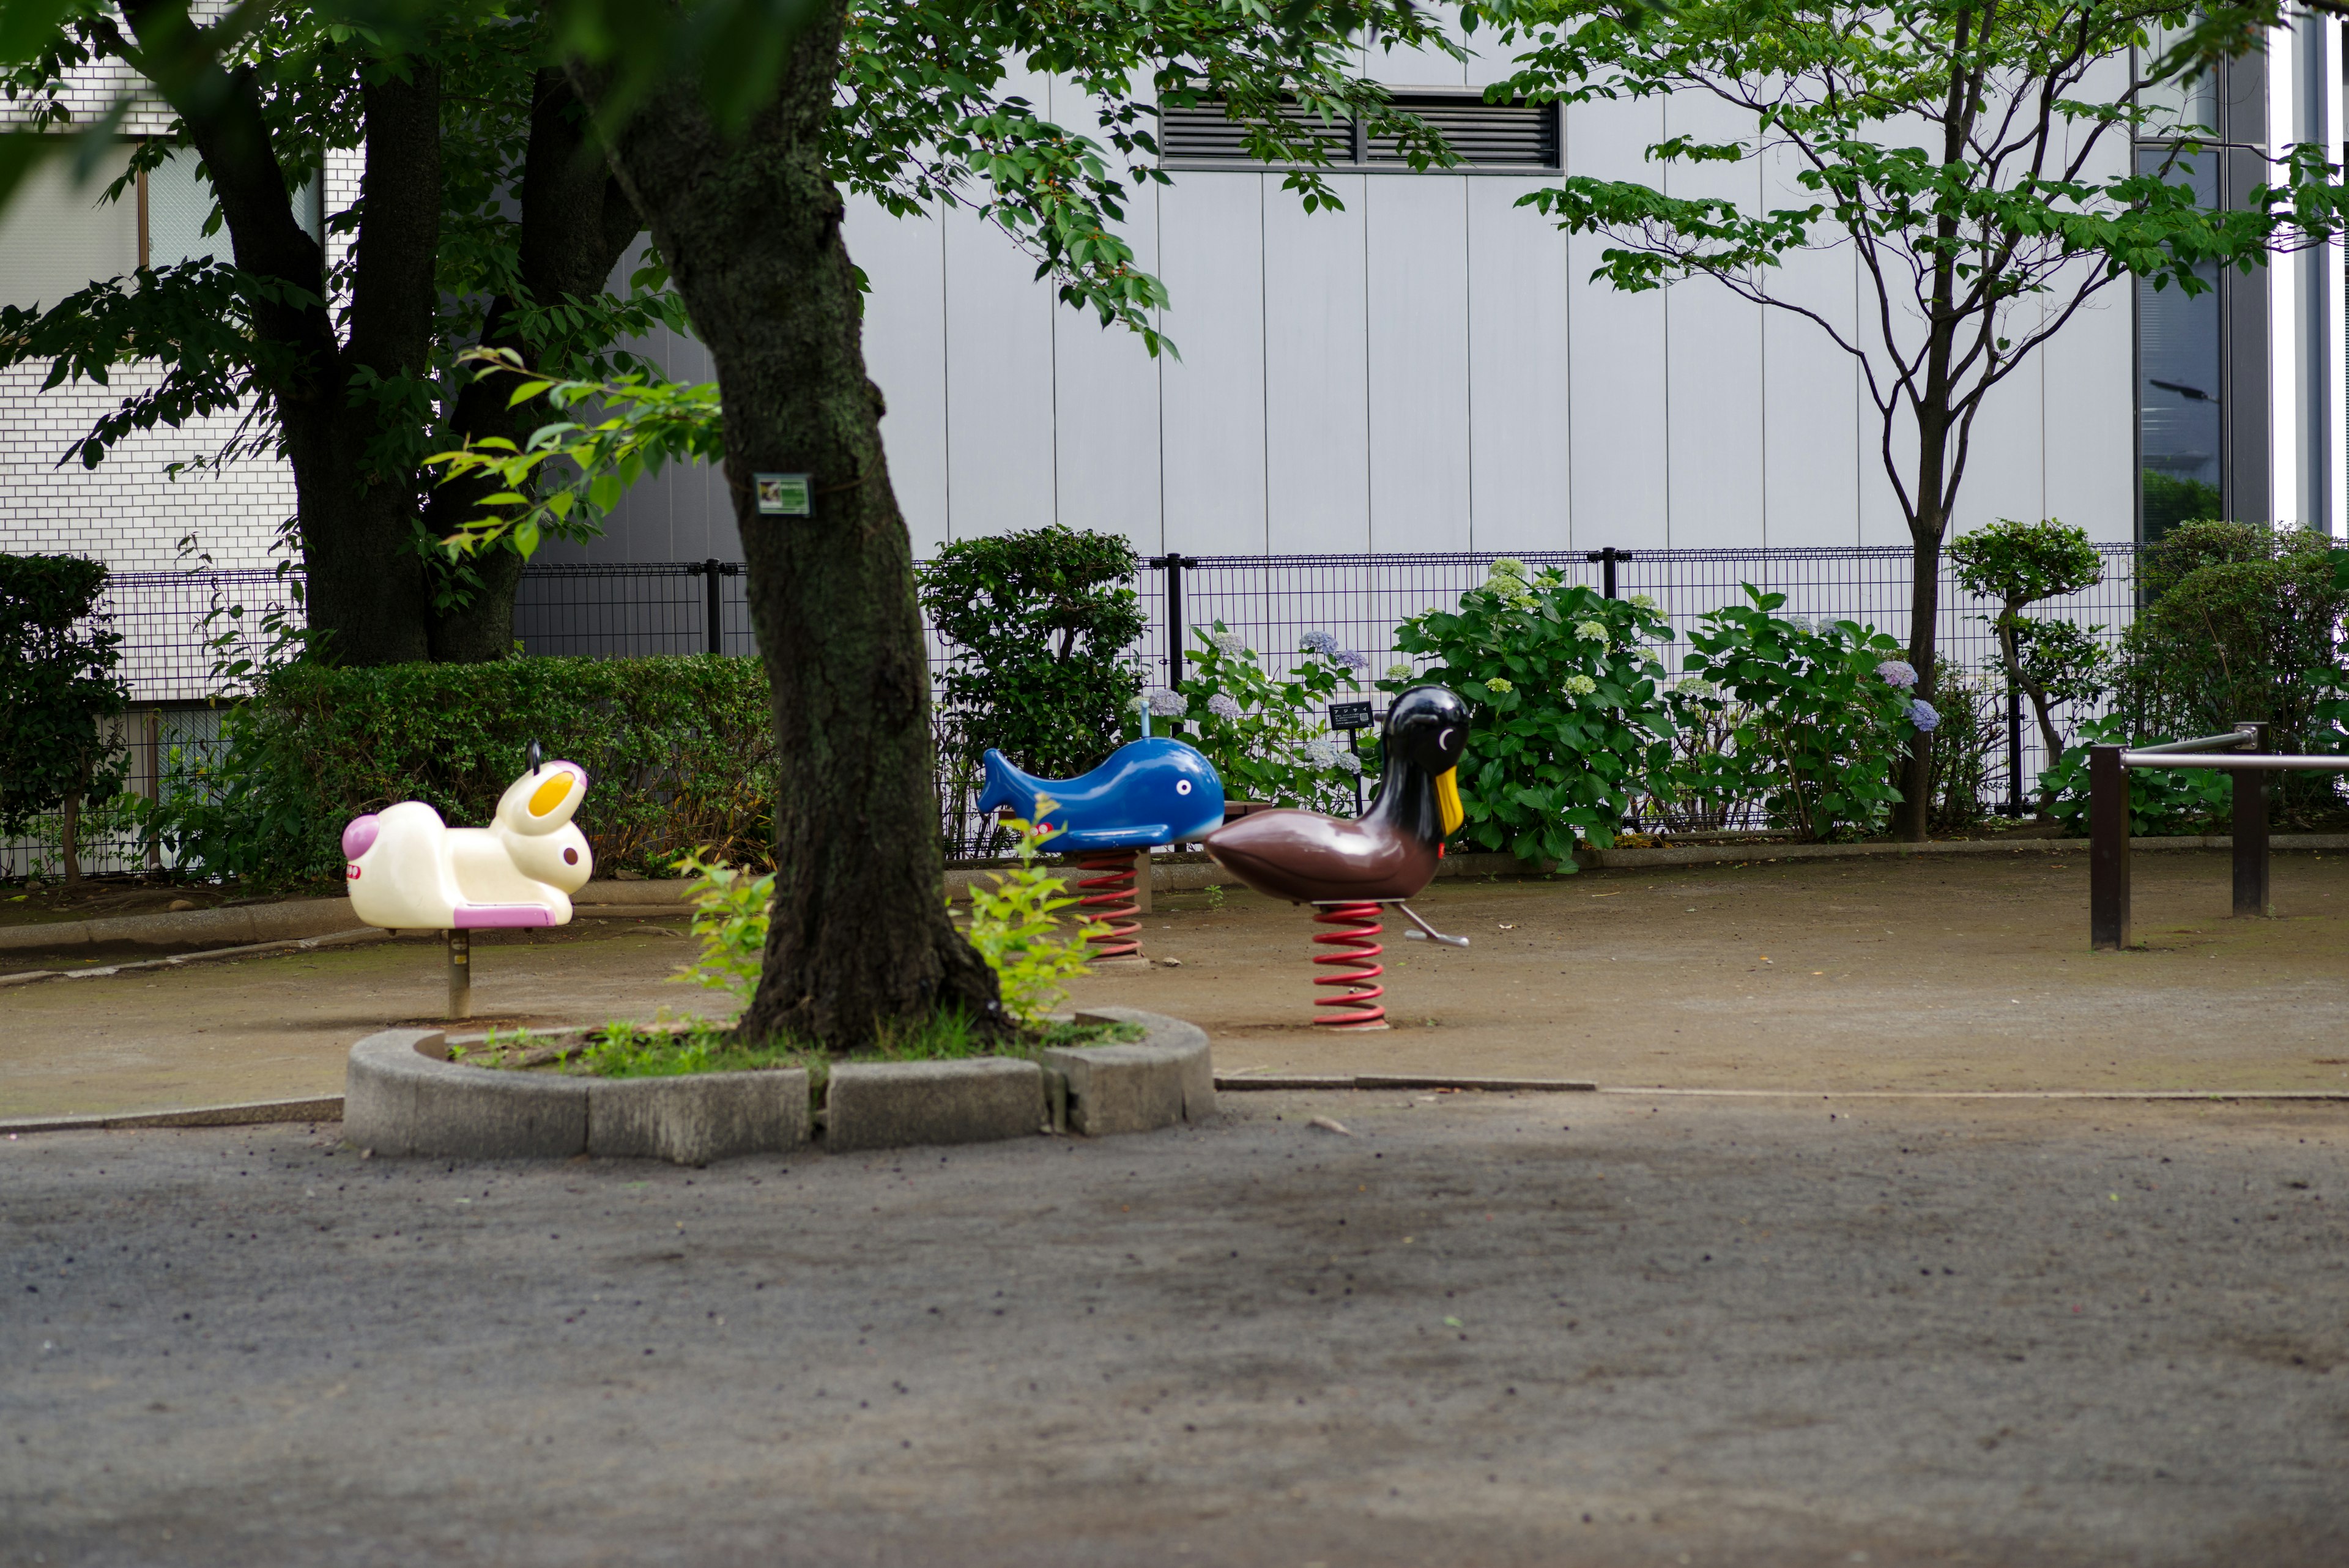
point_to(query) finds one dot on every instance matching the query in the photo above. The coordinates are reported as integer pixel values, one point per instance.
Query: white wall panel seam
(946, 377)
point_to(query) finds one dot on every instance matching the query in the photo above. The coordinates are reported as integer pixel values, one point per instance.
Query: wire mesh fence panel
(189, 635)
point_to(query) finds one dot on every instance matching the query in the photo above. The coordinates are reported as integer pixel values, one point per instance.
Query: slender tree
(1975, 155)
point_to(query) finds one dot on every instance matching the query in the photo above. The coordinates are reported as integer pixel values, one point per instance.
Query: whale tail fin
(1006, 785)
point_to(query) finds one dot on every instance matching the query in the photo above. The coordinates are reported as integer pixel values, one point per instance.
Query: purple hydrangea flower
(1221, 706)
(1350, 660)
(1897, 672)
(1166, 704)
(1324, 643)
(1921, 714)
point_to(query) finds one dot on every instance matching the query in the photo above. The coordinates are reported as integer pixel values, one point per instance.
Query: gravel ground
(1482, 1331)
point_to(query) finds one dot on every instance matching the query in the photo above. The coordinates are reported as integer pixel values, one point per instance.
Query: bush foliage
(678, 753)
(58, 684)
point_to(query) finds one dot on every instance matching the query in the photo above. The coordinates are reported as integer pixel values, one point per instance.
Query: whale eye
(1182, 787)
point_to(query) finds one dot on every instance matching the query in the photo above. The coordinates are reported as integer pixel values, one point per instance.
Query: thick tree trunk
(750, 224)
(578, 225)
(354, 482)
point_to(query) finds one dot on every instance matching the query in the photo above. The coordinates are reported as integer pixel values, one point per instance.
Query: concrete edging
(404, 1097)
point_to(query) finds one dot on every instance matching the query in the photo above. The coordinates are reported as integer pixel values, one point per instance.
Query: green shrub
(1269, 738)
(1014, 923)
(57, 685)
(2052, 662)
(2253, 632)
(1820, 715)
(1568, 724)
(1969, 733)
(2191, 547)
(677, 754)
(1039, 628)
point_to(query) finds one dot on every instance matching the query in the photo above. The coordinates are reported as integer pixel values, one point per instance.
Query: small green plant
(1269, 737)
(1215, 891)
(2163, 801)
(1568, 717)
(1823, 710)
(729, 919)
(623, 1050)
(1014, 923)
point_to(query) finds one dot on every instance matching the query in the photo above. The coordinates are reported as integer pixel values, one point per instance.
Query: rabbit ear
(548, 797)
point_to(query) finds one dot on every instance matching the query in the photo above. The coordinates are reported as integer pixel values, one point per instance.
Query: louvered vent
(1486, 135)
(1200, 133)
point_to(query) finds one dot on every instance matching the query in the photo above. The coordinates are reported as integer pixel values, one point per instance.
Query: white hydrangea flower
(1691, 685)
(1166, 704)
(1506, 569)
(1222, 707)
(1498, 684)
(1349, 764)
(1399, 671)
(1581, 685)
(1643, 601)
(1800, 623)
(1591, 631)
(1230, 644)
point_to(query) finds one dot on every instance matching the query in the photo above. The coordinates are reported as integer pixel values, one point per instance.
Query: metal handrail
(2198, 743)
(2262, 762)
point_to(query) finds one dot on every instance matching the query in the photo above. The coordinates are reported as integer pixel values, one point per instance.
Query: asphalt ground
(1474, 1330)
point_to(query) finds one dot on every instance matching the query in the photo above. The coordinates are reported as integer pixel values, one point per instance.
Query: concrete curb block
(251, 1113)
(402, 1096)
(1161, 1080)
(1258, 1081)
(891, 1104)
(244, 924)
(180, 961)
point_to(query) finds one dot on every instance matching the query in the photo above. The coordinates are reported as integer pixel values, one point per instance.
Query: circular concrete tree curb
(404, 1097)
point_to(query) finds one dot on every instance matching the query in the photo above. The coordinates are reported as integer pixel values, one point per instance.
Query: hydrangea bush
(1269, 737)
(1569, 715)
(1820, 713)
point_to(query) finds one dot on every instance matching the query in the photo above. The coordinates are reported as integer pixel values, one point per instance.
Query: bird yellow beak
(1447, 800)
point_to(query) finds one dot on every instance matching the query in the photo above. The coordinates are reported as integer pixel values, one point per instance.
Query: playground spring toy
(1156, 789)
(1348, 869)
(407, 870)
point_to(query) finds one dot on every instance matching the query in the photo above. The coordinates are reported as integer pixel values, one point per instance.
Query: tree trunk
(578, 225)
(69, 837)
(750, 223)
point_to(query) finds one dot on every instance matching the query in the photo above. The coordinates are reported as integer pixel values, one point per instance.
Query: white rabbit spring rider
(410, 871)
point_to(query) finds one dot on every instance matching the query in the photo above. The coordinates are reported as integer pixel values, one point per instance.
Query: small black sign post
(1351, 718)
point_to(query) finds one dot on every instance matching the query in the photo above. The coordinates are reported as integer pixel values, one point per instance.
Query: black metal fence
(190, 639)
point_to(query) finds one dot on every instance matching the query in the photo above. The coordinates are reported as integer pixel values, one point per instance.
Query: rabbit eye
(1182, 787)
(571, 857)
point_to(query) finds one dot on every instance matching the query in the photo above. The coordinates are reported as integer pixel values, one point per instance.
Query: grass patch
(625, 1049)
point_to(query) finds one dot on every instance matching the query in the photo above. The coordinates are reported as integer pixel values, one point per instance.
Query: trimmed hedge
(678, 753)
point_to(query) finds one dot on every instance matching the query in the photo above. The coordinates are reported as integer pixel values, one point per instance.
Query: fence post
(2251, 792)
(2014, 752)
(716, 612)
(1607, 559)
(1173, 562)
(2108, 850)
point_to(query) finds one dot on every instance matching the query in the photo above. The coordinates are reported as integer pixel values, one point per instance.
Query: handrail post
(716, 613)
(1174, 628)
(2251, 792)
(2108, 850)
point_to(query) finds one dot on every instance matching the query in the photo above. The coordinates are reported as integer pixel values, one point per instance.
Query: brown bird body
(1307, 858)
(1390, 852)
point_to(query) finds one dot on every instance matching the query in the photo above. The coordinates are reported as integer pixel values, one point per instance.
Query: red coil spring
(1108, 896)
(1355, 957)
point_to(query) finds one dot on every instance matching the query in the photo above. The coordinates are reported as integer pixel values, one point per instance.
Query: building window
(1514, 136)
(2180, 339)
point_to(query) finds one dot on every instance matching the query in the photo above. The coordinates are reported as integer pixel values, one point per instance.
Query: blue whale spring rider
(1156, 789)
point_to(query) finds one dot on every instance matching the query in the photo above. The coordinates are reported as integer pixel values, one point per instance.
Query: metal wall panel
(905, 354)
(1211, 245)
(1316, 372)
(1106, 397)
(1712, 346)
(1519, 348)
(999, 402)
(1619, 432)
(1419, 362)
